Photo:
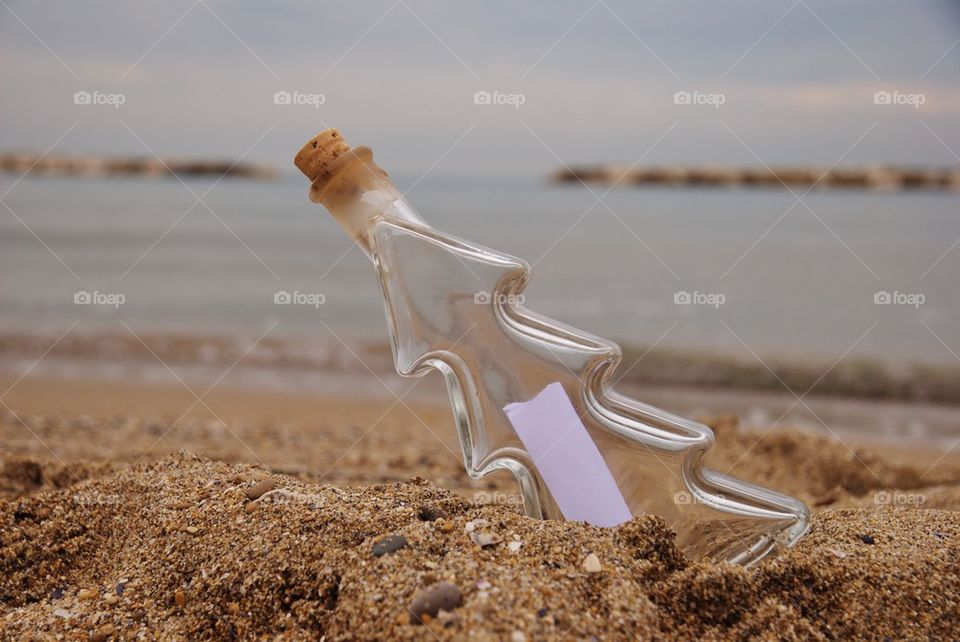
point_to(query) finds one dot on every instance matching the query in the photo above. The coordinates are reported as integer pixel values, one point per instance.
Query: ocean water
(765, 280)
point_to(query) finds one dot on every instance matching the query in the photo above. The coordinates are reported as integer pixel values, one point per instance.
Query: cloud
(404, 82)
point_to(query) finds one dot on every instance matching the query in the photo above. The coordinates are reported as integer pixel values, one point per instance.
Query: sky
(770, 81)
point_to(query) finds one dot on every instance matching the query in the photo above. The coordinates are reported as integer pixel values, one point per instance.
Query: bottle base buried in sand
(531, 395)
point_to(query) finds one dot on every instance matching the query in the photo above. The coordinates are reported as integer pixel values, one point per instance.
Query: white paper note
(567, 459)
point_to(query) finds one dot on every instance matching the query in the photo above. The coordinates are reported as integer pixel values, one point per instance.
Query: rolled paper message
(568, 460)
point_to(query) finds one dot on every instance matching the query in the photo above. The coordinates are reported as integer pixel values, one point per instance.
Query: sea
(759, 274)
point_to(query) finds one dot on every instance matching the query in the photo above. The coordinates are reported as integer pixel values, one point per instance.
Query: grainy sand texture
(286, 518)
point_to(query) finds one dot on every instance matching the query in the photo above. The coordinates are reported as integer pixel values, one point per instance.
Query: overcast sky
(597, 80)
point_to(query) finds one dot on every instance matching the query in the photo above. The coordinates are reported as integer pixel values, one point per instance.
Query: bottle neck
(352, 187)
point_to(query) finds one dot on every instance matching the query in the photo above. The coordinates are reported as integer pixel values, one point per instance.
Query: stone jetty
(100, 166)
(871, 177)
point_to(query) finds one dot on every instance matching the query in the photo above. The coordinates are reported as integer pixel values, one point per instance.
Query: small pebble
(485, 539)
(193, 530)
(514, 546)
(442, 596)
(474, 524)
(63, 613)
(260, 488)
(111, 599)
(101, 634)
(88, 594)
(389, 544)
(868, 539)
(542, 612)
(518, 636)
(591, 563)
(837, 553)
(179, 598)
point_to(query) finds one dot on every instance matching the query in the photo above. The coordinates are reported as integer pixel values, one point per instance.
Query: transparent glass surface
(452, 306)
(455, 306)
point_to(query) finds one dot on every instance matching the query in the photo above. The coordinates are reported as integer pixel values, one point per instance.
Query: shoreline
(854, 378)
(242, 424)
(691, 386)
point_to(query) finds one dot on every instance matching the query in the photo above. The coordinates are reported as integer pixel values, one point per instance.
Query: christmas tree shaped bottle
(529, 394)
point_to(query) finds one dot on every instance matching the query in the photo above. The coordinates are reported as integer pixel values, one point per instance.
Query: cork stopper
(316, 158)
(347, 182)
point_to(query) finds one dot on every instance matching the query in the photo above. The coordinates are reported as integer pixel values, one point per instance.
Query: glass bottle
(531, 395)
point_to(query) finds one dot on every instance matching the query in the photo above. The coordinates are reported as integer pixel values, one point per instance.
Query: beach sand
(135, 511)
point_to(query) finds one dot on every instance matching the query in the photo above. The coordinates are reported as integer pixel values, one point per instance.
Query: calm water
(806, 289)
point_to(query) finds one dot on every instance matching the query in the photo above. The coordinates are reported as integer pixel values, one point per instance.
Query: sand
(109, 531)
